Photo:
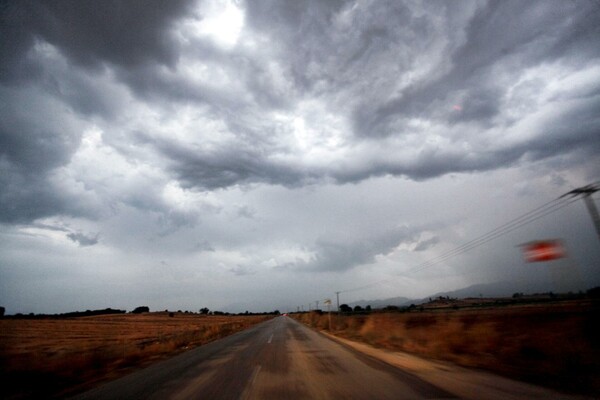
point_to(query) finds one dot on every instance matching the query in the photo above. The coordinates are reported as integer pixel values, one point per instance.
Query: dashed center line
(270, 339)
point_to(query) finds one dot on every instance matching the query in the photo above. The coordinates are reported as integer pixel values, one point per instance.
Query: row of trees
(137, 310)
(345, 308)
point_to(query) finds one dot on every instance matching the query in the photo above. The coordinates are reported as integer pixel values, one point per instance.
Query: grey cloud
(170, 221)
(353, 67)
(36, 138)
(95, 38)
(82, 239)
(478, 105)
(301, 30)
(332, 255)
(204, 246)
(26, 198)
(245, 212)
(502, 36)
(85, 93)
(427, 244)
(225, 166)
(575, 129)
(90, 32)
(241, 270)
(51, 227)
(31, 137)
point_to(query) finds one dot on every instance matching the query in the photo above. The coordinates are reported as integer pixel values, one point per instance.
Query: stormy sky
(262, 155)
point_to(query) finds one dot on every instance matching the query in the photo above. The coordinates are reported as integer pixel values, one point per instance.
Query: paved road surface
(278, 359)
(283, 359)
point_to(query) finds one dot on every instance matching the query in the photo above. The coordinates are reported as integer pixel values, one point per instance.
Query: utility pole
(328, 304)
(586, 192)
(338, 300)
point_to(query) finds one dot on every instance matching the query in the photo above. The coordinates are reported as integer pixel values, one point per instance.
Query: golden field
(63, 356)
(555, 345)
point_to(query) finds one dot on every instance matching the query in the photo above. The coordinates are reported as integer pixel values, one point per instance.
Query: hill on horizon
(493, 289)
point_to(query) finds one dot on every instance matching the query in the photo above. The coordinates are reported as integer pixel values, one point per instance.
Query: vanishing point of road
(283, 359)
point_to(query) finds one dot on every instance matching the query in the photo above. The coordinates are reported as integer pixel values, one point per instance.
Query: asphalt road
(283, 359)
(278, 359)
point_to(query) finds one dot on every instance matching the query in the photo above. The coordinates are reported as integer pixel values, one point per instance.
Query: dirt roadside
(467, 383)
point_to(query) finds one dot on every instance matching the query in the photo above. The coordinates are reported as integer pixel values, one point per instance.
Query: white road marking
(248, 390)
(270, 339)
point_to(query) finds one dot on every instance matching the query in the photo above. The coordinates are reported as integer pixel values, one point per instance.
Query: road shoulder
(464, 382)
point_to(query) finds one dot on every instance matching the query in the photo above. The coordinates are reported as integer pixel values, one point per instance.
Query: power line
(527, 218)
(496, 233)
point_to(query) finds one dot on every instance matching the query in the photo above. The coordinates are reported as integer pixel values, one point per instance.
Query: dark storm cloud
(502, 38)
(26, 198)
(32, 143)
(35, 136)
(350, 57)
(300, 30)
(31, 138)
(239, 163)
(574, 130)
(90, 33)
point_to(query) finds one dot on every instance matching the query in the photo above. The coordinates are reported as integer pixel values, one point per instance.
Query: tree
(141, 309)
(345, 308)
(594, 292)
(368, 308)
(2, 311)
(358, 309)
(204, 310)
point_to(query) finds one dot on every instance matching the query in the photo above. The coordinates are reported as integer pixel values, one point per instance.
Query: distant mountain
(392, 301)
(495, 289)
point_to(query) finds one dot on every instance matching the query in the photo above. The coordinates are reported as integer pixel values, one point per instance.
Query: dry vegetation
(62, 356)
(556, 345)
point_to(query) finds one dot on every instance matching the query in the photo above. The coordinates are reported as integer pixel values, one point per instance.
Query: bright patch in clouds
(222, 21)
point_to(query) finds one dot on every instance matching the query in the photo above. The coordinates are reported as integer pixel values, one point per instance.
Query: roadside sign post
(328, 303)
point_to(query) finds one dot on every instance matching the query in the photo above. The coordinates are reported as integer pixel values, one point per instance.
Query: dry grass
(62, 356)
(554, 345)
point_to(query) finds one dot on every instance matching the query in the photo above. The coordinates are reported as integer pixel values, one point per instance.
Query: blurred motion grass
(555, 345)
(42, 358)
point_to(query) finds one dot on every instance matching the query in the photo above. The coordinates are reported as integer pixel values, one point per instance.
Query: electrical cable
(527, 218)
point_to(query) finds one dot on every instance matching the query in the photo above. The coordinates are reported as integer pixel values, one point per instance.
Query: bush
(345, 308)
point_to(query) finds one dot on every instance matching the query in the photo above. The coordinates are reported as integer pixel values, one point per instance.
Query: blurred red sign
(543, 250)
